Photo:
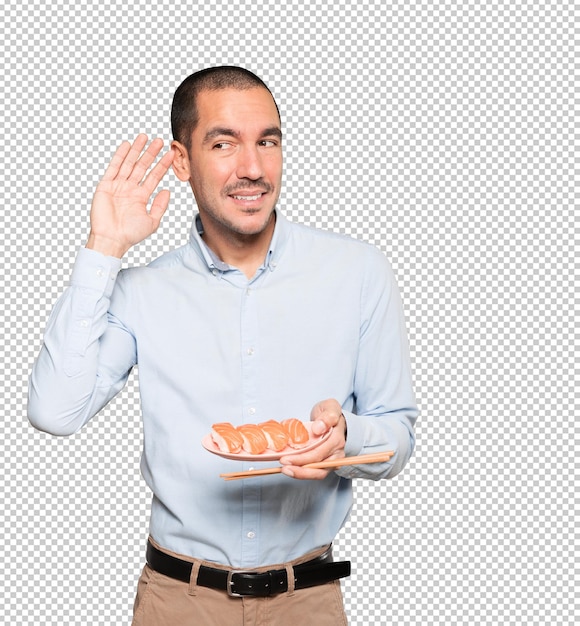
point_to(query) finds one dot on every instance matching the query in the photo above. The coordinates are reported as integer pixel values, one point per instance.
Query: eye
(268, 143)
(222, 145)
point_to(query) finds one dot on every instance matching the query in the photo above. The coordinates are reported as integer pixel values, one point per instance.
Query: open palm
(120, 217)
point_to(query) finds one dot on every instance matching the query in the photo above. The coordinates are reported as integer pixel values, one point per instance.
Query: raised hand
(119, 214)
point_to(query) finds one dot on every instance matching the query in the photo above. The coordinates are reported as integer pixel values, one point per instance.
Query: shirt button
(215, 272)
(100, 272)
(250, 351)
(251, 535)
(84, 323)
(251, 410)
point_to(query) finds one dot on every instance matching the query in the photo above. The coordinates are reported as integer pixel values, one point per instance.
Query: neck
(241, 250)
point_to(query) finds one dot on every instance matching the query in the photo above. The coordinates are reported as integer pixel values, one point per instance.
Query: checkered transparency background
(443, 133)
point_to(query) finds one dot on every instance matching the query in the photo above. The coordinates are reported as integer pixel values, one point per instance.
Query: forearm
(377, 433)
(66, 387)
(384, 401)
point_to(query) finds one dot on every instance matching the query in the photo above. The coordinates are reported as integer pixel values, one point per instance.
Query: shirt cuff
(355, 437)
(95, 271)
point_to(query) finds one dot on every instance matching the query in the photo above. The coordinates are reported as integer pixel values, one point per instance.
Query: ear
(180, 163)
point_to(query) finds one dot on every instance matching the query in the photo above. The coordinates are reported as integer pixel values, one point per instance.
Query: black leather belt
(239, 583)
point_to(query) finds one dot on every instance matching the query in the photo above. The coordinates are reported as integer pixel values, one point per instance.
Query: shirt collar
(213, 262)
(210, 257)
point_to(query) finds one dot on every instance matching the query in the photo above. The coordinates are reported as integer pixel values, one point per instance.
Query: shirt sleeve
(385, 407)
(86, 355)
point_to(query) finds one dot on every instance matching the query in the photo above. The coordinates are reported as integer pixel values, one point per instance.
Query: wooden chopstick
(378, 457)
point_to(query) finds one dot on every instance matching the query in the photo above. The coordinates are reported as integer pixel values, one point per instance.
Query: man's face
(236, 159)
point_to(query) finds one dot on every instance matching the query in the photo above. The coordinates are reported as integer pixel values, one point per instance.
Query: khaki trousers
(164, 601)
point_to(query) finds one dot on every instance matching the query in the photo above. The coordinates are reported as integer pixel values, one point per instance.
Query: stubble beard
(233, 229)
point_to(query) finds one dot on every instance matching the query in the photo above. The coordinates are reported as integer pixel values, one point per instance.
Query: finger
(327, 411)
(327, 450)
(302, 473)
(159, 206)
(115, 165)
(294, 466)
(145, 160)
(132, 156)
(321, 425)
(158, 172)
(331, 448)
(304, 458)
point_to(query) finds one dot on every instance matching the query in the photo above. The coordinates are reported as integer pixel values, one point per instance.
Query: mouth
(250, 199)
(247, 197)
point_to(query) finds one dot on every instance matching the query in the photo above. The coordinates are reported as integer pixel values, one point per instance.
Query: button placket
(249, 357)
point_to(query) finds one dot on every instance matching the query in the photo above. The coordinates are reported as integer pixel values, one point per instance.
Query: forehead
(242, 109)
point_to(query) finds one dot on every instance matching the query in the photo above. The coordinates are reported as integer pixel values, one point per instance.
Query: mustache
(260, 185)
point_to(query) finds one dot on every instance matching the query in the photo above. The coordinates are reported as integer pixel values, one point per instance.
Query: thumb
(159, 206)
(325, 415)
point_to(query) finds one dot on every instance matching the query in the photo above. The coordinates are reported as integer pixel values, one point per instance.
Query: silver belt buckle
(230, 583)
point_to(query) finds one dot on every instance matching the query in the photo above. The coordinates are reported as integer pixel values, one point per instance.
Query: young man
(255, 318)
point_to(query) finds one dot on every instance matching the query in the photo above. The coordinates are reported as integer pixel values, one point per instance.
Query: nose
(250, 164)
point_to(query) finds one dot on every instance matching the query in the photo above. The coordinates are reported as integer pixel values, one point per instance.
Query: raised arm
(87, 354)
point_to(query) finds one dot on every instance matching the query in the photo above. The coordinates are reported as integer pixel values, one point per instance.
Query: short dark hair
(184, 113)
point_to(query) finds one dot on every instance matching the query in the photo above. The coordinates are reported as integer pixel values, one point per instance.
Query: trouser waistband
(238, 583)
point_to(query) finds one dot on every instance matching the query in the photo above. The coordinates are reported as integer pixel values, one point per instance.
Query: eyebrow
(221, 131)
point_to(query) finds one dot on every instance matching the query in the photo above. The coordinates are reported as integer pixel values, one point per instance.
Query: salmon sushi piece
(297, 432)
(255, 441)
(276, 435)
(226, 437)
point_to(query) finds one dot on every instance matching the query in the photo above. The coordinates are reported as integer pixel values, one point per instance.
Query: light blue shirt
(321, 318)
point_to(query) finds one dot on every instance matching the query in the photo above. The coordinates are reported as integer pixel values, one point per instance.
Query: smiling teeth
(248, 198)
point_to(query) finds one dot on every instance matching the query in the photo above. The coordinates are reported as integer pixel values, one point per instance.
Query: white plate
(268, 455)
